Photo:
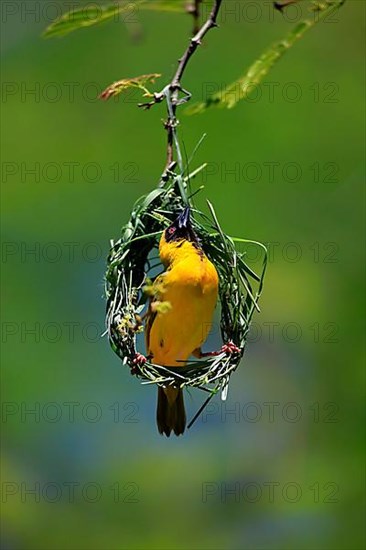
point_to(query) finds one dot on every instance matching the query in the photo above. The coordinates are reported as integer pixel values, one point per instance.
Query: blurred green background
(285, 470)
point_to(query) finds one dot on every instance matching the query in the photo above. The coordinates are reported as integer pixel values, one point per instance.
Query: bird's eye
(171, 230)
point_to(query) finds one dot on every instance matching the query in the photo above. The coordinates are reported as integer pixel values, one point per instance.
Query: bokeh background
(285, 469)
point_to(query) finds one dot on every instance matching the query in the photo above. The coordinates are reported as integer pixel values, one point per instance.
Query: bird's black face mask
(181, 229)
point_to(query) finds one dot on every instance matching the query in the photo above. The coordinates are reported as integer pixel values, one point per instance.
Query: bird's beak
(184, 218)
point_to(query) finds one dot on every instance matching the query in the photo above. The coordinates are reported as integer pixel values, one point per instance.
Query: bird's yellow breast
(190, 285)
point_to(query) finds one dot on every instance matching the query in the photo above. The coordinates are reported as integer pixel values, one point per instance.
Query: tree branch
(171, 91)
(193, 7)
(194, 43)
(175, 85)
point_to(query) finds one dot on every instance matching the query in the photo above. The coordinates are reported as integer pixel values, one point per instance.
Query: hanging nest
(129, 268)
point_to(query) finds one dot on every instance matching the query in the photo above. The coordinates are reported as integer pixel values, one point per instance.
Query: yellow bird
(180, 314)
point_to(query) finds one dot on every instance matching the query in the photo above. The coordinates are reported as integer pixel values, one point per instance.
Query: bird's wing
(150, 318)
(152, 312)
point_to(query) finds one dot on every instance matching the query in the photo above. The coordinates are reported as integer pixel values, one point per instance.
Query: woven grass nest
(130, 263)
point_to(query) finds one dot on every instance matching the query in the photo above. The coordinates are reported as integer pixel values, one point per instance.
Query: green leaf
(177, 6)
(139, 82)
(148, 199)
(94, 14)
(86, 16)
(241, 88)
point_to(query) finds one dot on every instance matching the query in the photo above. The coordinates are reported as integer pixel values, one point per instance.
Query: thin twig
(175, 84)
(194, 43)
(193, 8)
(169, 150)
(171, 91)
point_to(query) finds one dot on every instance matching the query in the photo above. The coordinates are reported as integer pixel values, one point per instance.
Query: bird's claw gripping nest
(230, 348)
(139, 360)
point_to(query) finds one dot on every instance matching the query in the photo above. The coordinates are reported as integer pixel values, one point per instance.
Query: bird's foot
(229, 349)
(139, 360)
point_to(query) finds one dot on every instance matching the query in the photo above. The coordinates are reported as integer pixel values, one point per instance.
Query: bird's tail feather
(170, 413)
